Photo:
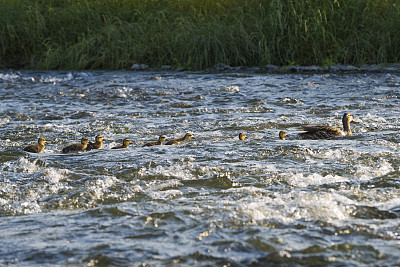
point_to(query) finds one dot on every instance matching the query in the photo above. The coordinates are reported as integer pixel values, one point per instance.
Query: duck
(161, 139)
(242, 136)
(76, 147)
(38, 148)
(282, 135)
(323, 132)
(96, 145)
(125, 144)
(180, 140)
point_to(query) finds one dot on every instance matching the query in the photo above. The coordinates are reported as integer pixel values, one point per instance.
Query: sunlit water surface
(214, 200)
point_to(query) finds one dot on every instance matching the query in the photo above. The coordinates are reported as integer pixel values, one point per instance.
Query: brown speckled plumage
(180, 140)
(38, 148)
(323, 132)
(76, 147)
(161, 139)
(96, 145)
(125, 144)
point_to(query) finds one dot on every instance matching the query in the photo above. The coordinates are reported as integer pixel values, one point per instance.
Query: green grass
(196, 34)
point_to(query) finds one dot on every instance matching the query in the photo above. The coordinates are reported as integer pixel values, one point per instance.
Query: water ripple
(214, 200)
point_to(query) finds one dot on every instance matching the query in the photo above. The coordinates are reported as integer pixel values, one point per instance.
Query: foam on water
(54, 177)
(23, 165)
(375, 169)
(330, 153)
(393, 202)
(177, 171)
(159, 192)
(22, 207)
(9, 76)
(361, 172)
(99, 189)
(64, 78)
(229, 88)
(325, 205)
(296, 205)
(302, 180)
(38, 182)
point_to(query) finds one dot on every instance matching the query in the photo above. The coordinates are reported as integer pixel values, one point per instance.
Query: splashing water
(214, 200)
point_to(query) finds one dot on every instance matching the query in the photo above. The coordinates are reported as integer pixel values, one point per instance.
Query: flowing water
(211, 201)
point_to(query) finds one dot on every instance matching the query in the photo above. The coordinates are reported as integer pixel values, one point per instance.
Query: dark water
(214, 200)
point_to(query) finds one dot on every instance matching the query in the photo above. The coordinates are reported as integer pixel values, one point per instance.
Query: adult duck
(323, 132)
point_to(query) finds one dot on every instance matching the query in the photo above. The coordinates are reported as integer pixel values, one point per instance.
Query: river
(213, 200)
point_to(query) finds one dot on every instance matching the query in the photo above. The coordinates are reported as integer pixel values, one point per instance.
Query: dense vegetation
(196, 34)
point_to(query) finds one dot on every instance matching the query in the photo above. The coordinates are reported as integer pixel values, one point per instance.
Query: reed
(111, 34)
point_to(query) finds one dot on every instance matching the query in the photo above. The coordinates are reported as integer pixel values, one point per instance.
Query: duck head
(282, 135)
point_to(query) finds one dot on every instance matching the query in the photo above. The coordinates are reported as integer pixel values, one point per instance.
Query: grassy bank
(196, 34)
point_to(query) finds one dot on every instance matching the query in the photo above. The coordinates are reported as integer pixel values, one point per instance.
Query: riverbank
(220, 67)
(197, 35)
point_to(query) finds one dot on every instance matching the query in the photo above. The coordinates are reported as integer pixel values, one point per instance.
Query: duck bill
(355, 122)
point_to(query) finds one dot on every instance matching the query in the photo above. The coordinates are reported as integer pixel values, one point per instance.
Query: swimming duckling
(179, 140)
(125, 144)
(161, 139)
(242, 136)
(36, 148)
(323, 132)
(282, 135)
(96, 145)
(76, 147)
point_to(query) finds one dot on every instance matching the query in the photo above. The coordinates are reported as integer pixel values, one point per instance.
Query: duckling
(76, 147)
(282, 135)
(323, 132)
(96, 145)
(179, 140)
(161, 139)
(242, 136)
(125, 144)
(36, 148)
